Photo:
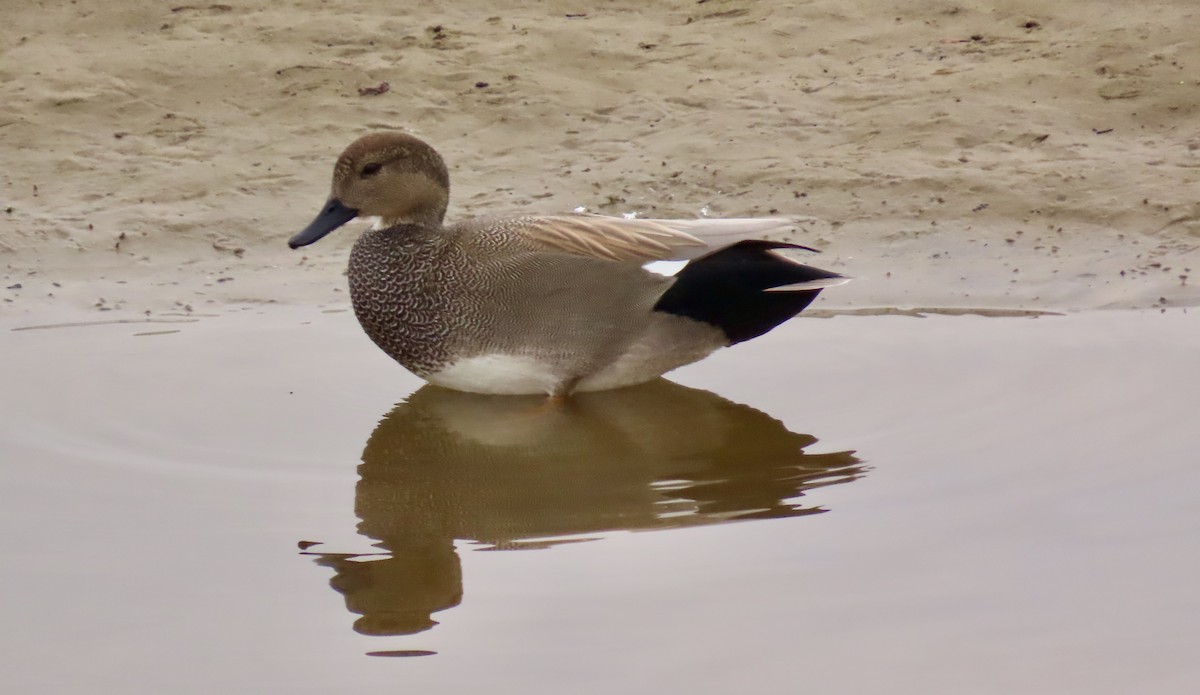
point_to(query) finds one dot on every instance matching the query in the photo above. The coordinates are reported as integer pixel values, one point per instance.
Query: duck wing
(641, 240)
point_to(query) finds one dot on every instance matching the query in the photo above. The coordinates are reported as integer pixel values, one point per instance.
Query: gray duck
(547, 304)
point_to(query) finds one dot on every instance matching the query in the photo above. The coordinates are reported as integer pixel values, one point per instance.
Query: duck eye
(370, 169)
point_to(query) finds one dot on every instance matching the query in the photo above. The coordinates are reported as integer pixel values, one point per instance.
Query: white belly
(500, 374)
(517, 375)
(669, 342)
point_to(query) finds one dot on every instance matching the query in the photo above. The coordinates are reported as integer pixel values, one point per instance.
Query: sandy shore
(992, 154)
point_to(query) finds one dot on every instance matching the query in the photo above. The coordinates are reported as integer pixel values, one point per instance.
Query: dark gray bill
(332, 216)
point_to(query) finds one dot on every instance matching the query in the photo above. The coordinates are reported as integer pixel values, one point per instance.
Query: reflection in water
(511, 472)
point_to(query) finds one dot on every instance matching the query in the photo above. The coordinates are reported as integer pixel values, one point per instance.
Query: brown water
(858, 505)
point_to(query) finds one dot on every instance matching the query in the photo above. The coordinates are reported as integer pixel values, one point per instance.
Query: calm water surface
(260, 502)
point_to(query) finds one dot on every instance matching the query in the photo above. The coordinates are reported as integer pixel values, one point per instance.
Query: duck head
(390, 175)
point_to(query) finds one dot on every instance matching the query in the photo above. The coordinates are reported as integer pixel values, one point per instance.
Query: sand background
(1002, 154)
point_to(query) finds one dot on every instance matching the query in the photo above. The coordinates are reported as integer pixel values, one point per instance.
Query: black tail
(729, 289)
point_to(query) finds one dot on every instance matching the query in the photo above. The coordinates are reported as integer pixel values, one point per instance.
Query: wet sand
(975, 153)
(933, 505)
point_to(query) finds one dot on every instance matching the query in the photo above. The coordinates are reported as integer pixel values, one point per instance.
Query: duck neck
(424, 203)
(427, 217)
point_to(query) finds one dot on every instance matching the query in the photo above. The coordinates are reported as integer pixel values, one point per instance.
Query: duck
(552, 304)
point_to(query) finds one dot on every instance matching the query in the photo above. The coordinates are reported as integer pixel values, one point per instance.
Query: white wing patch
(665, 268)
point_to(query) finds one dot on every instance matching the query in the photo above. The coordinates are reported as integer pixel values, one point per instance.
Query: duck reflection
(509, 472)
